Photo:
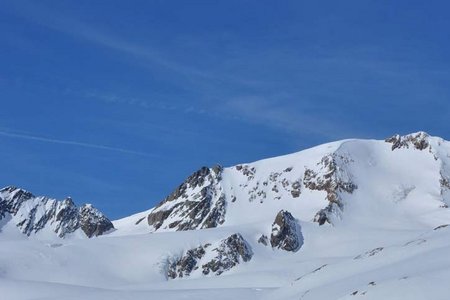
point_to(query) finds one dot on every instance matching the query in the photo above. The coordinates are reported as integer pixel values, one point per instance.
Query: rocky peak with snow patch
(33, 215)
(92, 221)
(199, 202)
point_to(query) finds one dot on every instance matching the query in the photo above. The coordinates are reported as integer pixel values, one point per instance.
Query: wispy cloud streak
(148, 55)
(71, 143)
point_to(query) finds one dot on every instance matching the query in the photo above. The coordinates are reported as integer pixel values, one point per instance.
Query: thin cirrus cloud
(262, 111)
(84, 31)
(204, 83)
(72, 143)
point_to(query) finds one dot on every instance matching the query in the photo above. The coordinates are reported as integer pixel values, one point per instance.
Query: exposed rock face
(333, 180)
(445, 188)
(201, 200)
(286, 232)
(225, 255)
(198, 202)
(187, 263)
(217, 214)
(263, 239)
(324, 215)
(12, 198)
(33, 214)
(93, 222)
(230, 252)
(330, 178)
(417, 141)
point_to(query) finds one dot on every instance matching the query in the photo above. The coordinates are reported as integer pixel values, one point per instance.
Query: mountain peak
(13, 190)
(37, 215)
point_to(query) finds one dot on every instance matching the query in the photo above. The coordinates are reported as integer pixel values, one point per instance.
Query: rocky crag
(33, 215)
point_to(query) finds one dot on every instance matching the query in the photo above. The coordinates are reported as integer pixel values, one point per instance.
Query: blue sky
(116, 102)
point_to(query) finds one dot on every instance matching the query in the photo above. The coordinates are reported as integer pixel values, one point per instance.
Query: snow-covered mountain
(349, 219)
(408, 174)
(45, 217)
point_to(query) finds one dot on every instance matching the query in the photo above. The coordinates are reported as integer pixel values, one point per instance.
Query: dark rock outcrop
(229, 253)
(186, 263)
(217, 214)
(417, 141)
(324, 215)
(157, 218)
(263, 239)
(93, 222)
(226, 255)
(441, 226)
(286, 232)
(328, 179)
(32, 214)
(333, 180)
(197, 203)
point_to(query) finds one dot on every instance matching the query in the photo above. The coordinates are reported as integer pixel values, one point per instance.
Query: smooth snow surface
(387, 242)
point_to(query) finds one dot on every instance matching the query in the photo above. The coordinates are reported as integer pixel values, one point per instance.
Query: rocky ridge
(197, 203)
(417, 141)
(33, 214)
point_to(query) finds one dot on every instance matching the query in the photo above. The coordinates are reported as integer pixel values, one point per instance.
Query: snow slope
(383, 206)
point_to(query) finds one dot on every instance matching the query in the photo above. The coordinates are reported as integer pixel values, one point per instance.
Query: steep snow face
(400, 183)
(403, 177)
(46, 217)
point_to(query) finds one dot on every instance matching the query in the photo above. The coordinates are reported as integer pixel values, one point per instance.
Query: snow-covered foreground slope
(332, 264)
(345, 220)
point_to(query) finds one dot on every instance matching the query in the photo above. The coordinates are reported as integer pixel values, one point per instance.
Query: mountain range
(343, 220)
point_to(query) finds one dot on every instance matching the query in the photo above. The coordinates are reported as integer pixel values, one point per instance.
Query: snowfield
(383, 206)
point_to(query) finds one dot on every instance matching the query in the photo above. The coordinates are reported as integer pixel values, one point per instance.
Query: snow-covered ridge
(45, 216)
(314, 184)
